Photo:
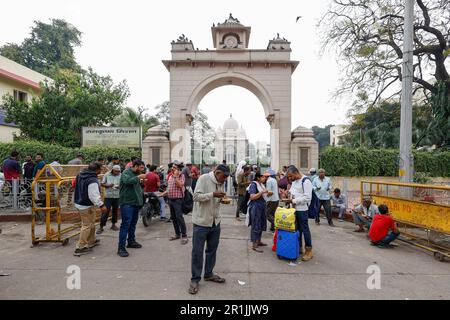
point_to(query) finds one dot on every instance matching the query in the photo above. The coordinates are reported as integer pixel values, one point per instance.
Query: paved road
(161, 269)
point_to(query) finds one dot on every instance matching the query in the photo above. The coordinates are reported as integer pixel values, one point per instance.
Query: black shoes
(82, 251)
(100, 230)
(134, 245)
(123, 252)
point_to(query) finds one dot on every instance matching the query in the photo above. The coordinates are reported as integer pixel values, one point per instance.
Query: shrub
(341, 161)
(53, 151)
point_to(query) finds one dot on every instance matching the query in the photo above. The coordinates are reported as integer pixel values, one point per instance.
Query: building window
(304, 157)
(20, 96)
(156, 156)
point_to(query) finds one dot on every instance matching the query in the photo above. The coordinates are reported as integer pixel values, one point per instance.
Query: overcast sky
(128, 40)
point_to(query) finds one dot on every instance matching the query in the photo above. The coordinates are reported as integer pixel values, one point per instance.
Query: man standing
(130, 164)
(322, 186)
(11, 167)
(339, 204)
(152, 184)
(242, 184)
(383, 230)
(111, 183)
(195, 176)
(114, 162)
(206, 220)
(187, 176)
(175, 193)
(78, 160)
(131, 201)
(301, 191)
(206, 169)
(312, 174)
(364, 213)
(87, 195)
(273, 197)
(40, 163)
(28, 168)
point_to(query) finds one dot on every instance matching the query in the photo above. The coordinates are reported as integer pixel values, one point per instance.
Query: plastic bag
(285, 219)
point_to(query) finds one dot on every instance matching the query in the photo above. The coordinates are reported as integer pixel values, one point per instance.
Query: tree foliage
(163, 114)
(368, 36)
(322, 135)
(72, 101)
(135, 118)
(49, 47)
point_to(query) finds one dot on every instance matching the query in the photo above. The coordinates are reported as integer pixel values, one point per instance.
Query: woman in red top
(383, 229)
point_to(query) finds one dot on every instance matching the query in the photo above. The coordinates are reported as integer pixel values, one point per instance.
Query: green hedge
(339, 161)
(53, 151)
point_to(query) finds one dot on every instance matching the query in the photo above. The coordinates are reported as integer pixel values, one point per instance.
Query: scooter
(150, 208)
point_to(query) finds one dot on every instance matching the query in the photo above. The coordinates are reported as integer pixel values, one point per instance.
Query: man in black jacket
(87, 197)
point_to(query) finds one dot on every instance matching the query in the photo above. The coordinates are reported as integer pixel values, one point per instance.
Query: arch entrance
(265, 72)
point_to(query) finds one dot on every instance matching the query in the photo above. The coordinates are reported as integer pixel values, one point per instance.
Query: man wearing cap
(364, 213)
(312, 174)
(187, 176)
(111, 183)
(273, 197)
(206, 225)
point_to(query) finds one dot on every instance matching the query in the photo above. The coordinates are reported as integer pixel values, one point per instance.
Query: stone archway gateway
(194, 73)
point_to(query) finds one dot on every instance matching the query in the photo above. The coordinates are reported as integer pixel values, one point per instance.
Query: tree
(379, 126)
(50, 47)
(72, 101)
(368, 36)
(438, 130)
(133, 118)
(322, 135)
(163, 114)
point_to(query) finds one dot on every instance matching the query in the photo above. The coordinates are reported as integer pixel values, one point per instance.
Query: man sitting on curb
(383, 230)
(364, 213)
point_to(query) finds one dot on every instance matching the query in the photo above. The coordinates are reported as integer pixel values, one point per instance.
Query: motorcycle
(150, 208)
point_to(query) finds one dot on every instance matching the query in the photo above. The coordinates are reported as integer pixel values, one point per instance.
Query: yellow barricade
(285, 219)
(422, 210)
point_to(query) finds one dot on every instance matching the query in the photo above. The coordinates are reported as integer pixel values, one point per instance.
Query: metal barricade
(52, 197)
(422, 211)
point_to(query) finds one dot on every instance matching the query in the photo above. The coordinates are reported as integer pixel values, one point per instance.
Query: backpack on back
(314, 206)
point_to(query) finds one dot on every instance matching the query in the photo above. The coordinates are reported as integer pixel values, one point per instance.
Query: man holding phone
(208, 194)
(175, 193)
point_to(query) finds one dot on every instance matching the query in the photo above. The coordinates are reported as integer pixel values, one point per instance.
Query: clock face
(231, 42)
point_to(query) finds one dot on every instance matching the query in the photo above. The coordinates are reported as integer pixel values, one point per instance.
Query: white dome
(230, 124)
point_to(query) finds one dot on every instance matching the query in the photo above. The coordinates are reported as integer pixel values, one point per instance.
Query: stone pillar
(156, 142)
(304, 149)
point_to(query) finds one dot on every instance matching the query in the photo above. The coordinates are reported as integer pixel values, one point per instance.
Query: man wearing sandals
(206, 220)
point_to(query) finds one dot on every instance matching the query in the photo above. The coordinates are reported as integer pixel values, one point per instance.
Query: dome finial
(231, 115)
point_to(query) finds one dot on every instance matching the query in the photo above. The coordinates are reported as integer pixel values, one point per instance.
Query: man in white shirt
(322, 187)
(87, 197)
(301, 192)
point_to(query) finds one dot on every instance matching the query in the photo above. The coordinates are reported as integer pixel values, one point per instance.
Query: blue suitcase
(287, 245)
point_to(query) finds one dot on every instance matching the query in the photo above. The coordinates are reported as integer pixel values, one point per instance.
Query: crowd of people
(259, 194)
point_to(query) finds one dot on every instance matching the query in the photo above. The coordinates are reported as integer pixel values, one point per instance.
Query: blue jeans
(162, 206)
(130, 216)
(301, 221)
(391, 236)
(200, 235)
